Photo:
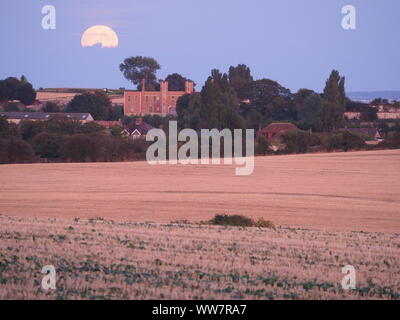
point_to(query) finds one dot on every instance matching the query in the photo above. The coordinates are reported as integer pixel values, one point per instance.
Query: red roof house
(275, 130)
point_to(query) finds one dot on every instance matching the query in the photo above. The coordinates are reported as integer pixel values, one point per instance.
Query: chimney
(143, 85)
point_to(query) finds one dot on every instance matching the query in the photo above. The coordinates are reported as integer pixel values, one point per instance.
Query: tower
(189, 87)
(164, 95)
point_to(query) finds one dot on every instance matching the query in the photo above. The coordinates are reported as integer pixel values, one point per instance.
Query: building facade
(163, 102)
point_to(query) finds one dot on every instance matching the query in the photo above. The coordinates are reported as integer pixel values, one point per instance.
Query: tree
(4, 92)
(309, 112)
(334, 102)
(345, 141)
(369, 114)
(51, 107)
(11, 107)
(219, 104)
(25, 93)
(81, 148)
(5, 131)
(97, 104)
(14, 89)
(240, 78)
(296, 141)
(136, 69)
(47, 145)
(188, 110)
(15, 151)
(12, 84)
(176, 82)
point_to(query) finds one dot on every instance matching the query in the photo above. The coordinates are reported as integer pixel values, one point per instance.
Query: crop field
(64, 98)
(357, 191)
(100, 259)
(111, 230)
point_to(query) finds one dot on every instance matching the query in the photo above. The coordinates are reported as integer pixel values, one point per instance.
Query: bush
(239, 221)
(47, 145)
(345, 141)
(16, 151)
(392, 140)
(299, 141)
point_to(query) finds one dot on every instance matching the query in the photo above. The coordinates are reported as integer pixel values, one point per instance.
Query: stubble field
(106, 228)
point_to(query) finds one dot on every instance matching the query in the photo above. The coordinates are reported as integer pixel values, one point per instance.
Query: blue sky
(296, 42)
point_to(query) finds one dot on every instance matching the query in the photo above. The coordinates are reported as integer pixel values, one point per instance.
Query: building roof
(142, 127)
(45, 116)
(370, 132)
(279, 127)
(109, 124)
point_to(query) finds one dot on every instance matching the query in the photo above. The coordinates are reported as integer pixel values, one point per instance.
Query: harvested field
(357, 191)
(99, 259)
(64, 98)
(106, 227)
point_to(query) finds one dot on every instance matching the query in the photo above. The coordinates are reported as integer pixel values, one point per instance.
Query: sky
(295, 42)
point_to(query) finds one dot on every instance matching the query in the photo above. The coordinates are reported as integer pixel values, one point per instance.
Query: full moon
(103, 35)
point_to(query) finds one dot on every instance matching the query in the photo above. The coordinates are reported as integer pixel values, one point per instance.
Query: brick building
(161, 102)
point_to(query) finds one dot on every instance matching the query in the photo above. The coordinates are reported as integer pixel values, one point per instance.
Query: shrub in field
(239, 221)
(262, 223)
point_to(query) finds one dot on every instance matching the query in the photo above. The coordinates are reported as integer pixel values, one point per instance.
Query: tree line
(61, 139)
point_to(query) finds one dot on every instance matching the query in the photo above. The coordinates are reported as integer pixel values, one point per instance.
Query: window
(129, 98)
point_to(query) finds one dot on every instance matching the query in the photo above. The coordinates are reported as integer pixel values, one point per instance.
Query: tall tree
(220, 107)
(139, 68)
(239, 78)
(334, 102)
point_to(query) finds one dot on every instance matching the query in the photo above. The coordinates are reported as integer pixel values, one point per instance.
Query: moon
(103, 35)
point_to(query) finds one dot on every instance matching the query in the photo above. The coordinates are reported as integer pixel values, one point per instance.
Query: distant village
(140, 103)
(284, 122)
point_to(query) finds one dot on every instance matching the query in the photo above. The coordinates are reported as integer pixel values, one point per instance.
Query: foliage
(15, 151)
(176, 82)
(298, 141)
(345, 141)
(98, 104)
(47, 145)
(5, 130)
(11, 107)
(240, 78)
(262, 146)
(239, 221)
(334, 102)
(135, 69)
(392, 140)
(51, 107)
(14, 89)
(309, 111)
